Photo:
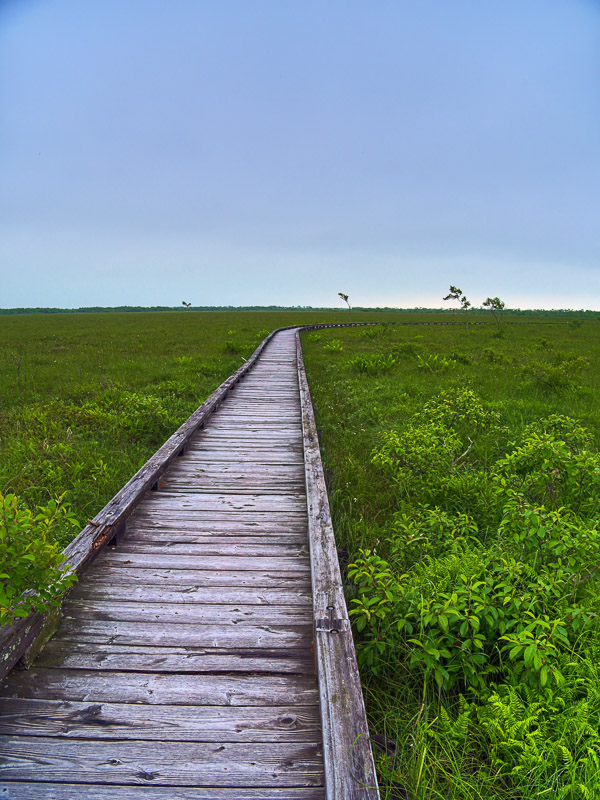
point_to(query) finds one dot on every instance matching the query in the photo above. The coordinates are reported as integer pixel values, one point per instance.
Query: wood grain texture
(174, 633)
(286, 594)
(167, 763)
(77, 720)
(261, 579)
(347, 753)
(161, 689)
(184, 613)
(74, 791)
(182, 659)
(288, 564)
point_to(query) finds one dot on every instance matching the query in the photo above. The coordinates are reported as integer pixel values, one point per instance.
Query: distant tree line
(542, 312)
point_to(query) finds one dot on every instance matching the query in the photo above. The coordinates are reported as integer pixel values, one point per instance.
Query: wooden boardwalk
(184, 665)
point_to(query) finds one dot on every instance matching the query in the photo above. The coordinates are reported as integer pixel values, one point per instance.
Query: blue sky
(270, 152)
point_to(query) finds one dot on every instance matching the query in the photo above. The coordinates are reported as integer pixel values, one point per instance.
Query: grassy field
(464, 475)
(85, 399)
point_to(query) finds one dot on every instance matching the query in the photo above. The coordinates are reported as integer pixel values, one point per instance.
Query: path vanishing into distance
(209, 654)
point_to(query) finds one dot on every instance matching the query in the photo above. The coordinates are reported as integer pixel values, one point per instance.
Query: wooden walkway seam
(209, 654)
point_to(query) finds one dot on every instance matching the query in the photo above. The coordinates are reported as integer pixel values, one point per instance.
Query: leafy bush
(552, 377)
(429, 532)
(31, 577)
(233, 346)
(546, 470)
(419, 458)
(460, 409)
(494, 357)
(334, 346)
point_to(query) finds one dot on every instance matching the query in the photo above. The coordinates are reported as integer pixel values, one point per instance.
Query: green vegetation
(464, 467)
(85, 399)
(464, 471)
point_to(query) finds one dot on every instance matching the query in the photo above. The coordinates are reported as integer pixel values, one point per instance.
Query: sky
(242, 152)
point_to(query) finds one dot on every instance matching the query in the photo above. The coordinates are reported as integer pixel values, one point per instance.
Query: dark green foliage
(30, 556)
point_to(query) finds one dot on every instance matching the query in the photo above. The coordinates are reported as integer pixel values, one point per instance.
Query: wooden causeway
(197, 659)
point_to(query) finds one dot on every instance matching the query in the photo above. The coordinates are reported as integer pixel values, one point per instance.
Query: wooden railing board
(348, 757)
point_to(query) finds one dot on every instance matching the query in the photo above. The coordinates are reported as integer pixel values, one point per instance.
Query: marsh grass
(85, 399)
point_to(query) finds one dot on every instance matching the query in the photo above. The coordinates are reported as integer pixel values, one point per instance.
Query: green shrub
(460, 409)
(494, 357)
(334, 346)
(419, 458)
(550, 471)
(233, 346)
(31, 577)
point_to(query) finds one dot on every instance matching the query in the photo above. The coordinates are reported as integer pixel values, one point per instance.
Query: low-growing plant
(552, 377)
(461, 409)
(233, 346)
(373, 364)
(435, 363)
(32, 577)
(334, 346)
(494, 357)
(372, 332)
(419, 458)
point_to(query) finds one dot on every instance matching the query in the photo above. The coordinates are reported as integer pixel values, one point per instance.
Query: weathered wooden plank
(264, 449)
(186, 613)
(261, 579)
(242, 546)
(293, 564)
(147, 658)
(232, 518)
(288, 503)
(242, 455)
(264, 416)
(225, 486)
(202, 468)
(173, 634)
(287, 594)
(167, 763)
(77, 720)
(348, 758)
(229, 525)
(161, 689)
(74, 791)
(276, 429)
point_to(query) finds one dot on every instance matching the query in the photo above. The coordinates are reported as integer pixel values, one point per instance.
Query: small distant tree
(465, 305)
(496, 306)
(187, 305)
(347, 301)
(454, 294)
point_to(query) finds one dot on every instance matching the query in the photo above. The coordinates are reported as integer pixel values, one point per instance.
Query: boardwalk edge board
(347, 752)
